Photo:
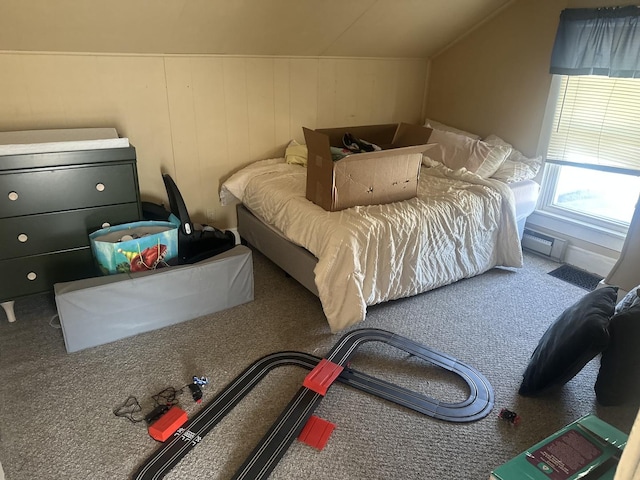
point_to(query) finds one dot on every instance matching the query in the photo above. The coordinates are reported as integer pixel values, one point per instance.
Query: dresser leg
(8, 309)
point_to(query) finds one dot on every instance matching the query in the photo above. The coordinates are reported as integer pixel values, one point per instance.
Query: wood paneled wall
(201, 118)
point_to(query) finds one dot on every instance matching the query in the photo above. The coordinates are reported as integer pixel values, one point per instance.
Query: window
(592, 172)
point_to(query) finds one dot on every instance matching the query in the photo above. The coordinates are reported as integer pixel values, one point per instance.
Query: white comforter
(459, 226)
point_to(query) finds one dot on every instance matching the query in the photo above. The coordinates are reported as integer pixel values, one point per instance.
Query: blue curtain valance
(598, 41)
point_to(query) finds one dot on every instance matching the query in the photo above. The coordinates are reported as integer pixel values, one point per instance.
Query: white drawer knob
(31, 275)
(100, 187)
(23, 237)
(106, 224)
(13, 196)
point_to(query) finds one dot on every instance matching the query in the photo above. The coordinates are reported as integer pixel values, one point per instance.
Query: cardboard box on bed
(371, 178)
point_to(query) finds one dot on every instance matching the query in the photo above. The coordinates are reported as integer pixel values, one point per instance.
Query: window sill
(571, 228)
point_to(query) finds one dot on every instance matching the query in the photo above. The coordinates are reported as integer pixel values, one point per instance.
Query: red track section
(320, 378)
(316, 432)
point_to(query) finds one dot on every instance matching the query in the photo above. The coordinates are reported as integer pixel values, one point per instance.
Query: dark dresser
(49, 203)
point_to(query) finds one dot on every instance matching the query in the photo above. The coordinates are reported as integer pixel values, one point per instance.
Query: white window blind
(597, 123)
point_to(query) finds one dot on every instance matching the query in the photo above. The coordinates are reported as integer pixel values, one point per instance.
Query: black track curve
(287, 427)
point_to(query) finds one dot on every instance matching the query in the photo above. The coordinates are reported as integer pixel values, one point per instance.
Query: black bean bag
(577, 336)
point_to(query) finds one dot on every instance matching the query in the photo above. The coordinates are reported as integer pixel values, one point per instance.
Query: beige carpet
(56, 419)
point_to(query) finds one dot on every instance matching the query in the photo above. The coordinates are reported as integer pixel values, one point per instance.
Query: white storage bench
(104, 309)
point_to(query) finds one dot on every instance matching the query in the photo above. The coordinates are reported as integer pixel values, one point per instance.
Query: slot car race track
(287, 427)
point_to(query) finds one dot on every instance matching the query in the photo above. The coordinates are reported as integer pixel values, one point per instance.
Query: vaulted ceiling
(358, 28)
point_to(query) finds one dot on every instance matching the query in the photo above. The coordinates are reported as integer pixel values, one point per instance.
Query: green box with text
(587, 449)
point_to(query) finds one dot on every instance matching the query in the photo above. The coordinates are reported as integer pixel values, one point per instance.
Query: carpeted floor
(56, 418)
(576, 276)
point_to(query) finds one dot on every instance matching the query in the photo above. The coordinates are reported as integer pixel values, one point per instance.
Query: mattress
(525, 195)
(525, 192)
(459, 226)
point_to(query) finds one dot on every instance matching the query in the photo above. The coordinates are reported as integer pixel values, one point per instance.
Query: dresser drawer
(48, 232)
(52, 190)
(38, 273)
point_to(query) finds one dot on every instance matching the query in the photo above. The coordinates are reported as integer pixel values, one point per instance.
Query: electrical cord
(129, 410)
(163, 400)
(168, 396)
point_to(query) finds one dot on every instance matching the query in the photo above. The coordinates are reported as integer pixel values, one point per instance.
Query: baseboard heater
(543, 244)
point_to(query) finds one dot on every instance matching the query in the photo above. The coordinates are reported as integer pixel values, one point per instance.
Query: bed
(460, 225)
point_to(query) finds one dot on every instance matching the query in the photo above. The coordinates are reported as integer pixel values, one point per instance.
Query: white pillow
(459, 151)
(517, 167)
(232, 190)
(441, 126)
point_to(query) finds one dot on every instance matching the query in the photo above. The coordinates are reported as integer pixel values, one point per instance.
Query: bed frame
(293, 259)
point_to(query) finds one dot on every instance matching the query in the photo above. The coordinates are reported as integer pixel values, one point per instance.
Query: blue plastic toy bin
(135, 247)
